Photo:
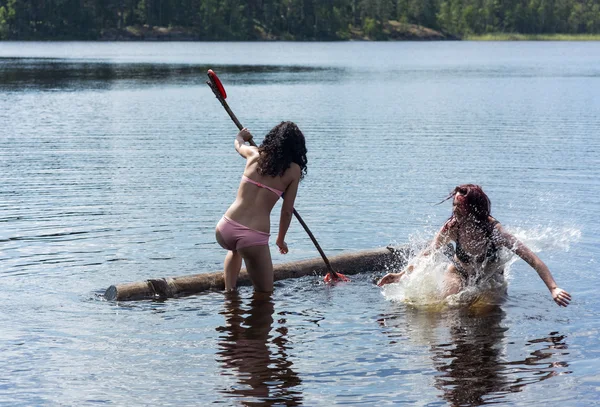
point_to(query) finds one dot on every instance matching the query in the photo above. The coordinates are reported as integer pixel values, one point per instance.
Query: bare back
(253, 205)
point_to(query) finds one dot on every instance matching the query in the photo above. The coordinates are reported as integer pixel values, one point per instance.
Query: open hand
(561, 297)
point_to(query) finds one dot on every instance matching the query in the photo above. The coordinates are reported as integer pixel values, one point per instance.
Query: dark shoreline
(390, 31)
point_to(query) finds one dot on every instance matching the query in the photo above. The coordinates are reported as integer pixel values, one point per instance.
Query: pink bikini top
(258, 184)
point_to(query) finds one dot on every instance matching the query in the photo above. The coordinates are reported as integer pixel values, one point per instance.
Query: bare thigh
(259, 266)
(453, 282)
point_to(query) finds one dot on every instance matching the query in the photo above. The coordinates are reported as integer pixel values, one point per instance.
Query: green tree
(291, 19)
(7, 18)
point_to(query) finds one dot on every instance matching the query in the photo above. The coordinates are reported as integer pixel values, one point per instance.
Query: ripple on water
(108, 158)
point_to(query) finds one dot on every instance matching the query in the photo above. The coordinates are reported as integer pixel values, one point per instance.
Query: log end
(111, 293)
(130, 292)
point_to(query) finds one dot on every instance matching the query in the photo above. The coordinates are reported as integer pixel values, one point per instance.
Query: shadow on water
(67, 74)
(474, 367)
(250, 351)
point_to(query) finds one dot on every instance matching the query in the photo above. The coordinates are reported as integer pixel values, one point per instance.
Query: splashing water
(547, 238)
(424, 286)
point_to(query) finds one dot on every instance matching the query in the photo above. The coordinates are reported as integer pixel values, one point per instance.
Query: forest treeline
(291, 19)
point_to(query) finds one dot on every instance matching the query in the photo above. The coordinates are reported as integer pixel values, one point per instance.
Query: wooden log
(346, 263)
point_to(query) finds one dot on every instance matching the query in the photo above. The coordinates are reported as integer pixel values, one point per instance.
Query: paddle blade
(335, 278)
(217, 82)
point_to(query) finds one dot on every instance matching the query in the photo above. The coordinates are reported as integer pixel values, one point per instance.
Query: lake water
(117, 162)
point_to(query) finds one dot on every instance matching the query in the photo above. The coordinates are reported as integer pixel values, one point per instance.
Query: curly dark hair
(282, 146)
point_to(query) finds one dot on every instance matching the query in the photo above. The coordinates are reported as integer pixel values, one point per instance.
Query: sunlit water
(117, 162)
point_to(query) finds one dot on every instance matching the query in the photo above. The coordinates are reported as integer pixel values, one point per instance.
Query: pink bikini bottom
(238, 236)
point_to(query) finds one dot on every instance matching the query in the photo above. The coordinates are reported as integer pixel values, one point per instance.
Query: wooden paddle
(217, 87)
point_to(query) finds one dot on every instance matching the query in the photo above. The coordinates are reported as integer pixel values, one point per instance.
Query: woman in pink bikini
(478, 237)
(272, 169)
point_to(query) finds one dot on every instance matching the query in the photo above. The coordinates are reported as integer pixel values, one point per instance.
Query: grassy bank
(532, 37)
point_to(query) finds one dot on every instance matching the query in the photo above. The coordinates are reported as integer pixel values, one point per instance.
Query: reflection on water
(37, 73)
(256, 356)
(116, 170)
(473, 367)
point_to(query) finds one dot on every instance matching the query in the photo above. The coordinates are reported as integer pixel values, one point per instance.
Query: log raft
(171, 287)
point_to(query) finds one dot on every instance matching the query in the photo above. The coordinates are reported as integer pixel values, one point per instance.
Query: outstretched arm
(560, 296)
(442, 237)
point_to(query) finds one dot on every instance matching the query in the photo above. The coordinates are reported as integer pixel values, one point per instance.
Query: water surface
(117, 162)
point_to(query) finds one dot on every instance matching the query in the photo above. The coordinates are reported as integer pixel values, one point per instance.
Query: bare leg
(453, 282)
(232, 266)
(259, 267)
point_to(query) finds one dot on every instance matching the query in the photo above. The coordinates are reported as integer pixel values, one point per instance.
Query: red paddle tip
(335, 277)
(216, 81)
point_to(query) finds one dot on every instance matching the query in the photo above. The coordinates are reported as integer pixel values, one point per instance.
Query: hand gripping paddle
(219, 90)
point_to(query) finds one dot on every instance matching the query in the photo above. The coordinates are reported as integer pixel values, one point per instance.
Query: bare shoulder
(448, 232)
(502, 236)
(246, 151)
(294, 171)
(496, 225)
(449, 226)
(252, 154)
(251, 163)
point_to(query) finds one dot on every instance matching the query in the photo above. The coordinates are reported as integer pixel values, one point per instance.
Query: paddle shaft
(252, 143)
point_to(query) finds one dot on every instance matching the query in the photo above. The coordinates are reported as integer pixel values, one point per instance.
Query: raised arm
(560, 296)
(241, 147)
(287, 209)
